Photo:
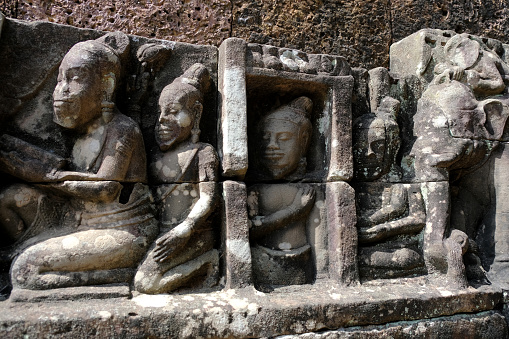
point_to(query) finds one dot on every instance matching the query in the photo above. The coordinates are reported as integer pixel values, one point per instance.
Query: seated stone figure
(186, 175)
(470, 61)
(280, 249)
(113, 219)
(388, 246)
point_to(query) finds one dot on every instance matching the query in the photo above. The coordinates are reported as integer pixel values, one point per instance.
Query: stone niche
(153, 188)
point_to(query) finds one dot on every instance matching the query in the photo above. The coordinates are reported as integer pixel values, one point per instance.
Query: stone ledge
(490, 324)
(72, 293)
(244, 312)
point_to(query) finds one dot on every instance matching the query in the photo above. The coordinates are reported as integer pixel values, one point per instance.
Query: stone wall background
(360, 30)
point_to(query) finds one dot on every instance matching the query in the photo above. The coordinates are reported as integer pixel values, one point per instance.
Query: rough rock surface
(201, 22)
(248, 313)
(362, 31)
(483, 325)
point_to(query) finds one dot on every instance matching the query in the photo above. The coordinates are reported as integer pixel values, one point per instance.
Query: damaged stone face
(104, 188)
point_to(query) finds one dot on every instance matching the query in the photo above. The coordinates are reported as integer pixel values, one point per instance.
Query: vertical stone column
(340, 158)
(341, 221)
(236, 231)
(233, 108)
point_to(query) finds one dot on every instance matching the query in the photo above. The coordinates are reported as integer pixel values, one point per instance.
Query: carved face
(175, 122)
(372, 155)
(78, 94)
(282, 146)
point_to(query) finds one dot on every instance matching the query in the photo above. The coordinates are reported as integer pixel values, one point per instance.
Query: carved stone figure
(105, 184)
(387, 229)
(469, 61)
(281, 252)
(186, 175)
(376, 143)
(284, 136)
(456, 133)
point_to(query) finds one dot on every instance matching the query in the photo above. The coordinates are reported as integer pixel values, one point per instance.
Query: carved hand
(304, 198)
(374, 233)
(172, 242)
(456, 73)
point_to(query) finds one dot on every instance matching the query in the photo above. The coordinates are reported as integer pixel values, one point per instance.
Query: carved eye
(266, 136)
(377, 146)
(284, 136)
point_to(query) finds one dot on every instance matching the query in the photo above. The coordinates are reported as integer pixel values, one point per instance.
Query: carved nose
(370, 152)
(273, 143)
(62, 87)
(165, 118)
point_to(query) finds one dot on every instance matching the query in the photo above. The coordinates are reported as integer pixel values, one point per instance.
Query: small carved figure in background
(186, 174)
(469, 61)
(114, 221)
(388, 245)
(278, 212)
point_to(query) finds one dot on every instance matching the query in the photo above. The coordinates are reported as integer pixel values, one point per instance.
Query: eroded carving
(459, 123)
(109, 221)
(185, 172)
(282, 254)
(391, 215)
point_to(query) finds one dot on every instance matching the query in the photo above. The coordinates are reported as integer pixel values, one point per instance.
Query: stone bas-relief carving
(113, 218)
(391, 215)
(281, 252)
(321, 210)
(186, 176)
(459, 122)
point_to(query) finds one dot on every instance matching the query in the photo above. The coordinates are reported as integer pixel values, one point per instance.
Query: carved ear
(109, 83)
(496, 117)
(305, 141)
(197, 108)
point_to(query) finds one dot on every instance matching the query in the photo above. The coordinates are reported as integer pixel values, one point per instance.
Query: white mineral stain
(310, 324)
(166, 171)
(105, 315)
(335, 143)
(285, 246)
(188, 298)
(193, 193)
(21, 200)
(239, 249)
(335, 296)
(105, 241)
(427, 150)
(70, 242)
(239, 304)
(440, 121)
(159, 164)
(445, 293)
(146, 300)
(252, 309)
